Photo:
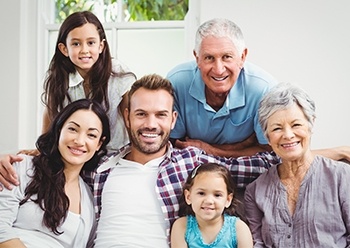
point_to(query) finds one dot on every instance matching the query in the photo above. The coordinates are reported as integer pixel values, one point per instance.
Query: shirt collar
(235, 99)
(75, 79)
(114, 159)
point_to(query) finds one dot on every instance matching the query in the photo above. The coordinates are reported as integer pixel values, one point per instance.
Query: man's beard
(149, 148)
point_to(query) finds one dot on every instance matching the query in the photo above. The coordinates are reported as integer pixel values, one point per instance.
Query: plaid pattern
(175, 168)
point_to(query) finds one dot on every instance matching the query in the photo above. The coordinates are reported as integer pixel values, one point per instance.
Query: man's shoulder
(182, 70)
(255, 73)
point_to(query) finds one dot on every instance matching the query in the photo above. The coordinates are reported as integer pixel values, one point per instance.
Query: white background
(297, 41)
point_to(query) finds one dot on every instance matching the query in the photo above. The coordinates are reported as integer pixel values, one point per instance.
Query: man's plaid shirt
(175, 168)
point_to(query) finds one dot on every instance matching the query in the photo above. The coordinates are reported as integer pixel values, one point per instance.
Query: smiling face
(149, 121)
(80, 138)
(83, 47)
(208, 196)
(289, 133)
(219, 63)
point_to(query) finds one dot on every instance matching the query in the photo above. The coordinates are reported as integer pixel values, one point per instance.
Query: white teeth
(76, 151)
(290, 145)
(220, 78)
(150, 135)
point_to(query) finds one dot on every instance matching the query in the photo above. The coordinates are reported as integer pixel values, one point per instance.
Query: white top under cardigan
(25, 222)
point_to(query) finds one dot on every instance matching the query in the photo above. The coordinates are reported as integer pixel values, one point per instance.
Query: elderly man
(217, 96)
(136, 190)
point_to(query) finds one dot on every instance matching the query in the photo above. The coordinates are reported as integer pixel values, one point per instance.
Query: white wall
(16, 70)
(24, 49)
(302, 42)
(18, 84)
(9, 53)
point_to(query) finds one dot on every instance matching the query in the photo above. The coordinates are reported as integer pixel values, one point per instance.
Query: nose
(209, 199)
(219, 67)
(151, 121)
(84, 49)
(288, 133)
(79, 140)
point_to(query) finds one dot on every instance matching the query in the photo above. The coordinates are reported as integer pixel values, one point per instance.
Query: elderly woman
(304, 201)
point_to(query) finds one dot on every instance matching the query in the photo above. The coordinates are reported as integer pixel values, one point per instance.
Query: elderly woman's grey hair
(219, 28)
(283, 96)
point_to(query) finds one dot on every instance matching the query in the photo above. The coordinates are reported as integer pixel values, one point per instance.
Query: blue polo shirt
(234, 122)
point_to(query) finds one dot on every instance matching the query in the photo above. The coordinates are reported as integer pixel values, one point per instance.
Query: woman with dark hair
(52, 206)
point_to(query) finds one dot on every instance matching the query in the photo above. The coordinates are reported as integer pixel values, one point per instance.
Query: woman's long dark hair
(48, 180)
(57, 82)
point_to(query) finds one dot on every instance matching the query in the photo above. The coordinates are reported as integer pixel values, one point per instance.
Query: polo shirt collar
(235, 99)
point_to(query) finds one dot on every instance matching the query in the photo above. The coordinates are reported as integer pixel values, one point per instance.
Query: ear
(102, 45)
(126, 117)
(100, 144)
(63, 49)
(187, 194)
(195, 55)
(243, 57)
(229, 200)
(174, 120)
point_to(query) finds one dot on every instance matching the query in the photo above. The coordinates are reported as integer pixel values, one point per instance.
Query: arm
(248, 147)
(46, 121)
(335, 153)
(244, 236)
(253, 215)
(8, 175)
(9, 205)
(30, 152)
(12, 243)
(178, 231)
(344, 201)
(244, 169)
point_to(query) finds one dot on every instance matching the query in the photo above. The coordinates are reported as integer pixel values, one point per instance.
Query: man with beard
(142, 184)
(137, 190)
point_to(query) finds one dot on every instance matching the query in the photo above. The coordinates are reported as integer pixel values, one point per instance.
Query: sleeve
(179, 131)
(257, 127)
(259, 132)
(10, 199)
(245, 169)
(344, 186)
(126, 80)
(253, 214)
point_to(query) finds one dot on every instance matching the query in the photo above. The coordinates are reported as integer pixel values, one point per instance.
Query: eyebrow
(91, 128)
(293, 121)
(157, 111)
(88, 38)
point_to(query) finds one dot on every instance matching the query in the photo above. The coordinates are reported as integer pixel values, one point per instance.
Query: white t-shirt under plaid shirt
(172, 172)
